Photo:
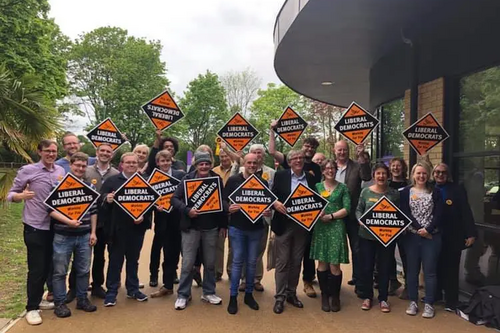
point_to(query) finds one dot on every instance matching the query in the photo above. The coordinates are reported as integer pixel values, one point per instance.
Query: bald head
(341, 151)
(250, 164)
(318, 158)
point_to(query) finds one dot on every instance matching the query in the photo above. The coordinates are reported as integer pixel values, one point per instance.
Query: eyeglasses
(78, 165)
(439, 172)
(49, 151)
(298, 158)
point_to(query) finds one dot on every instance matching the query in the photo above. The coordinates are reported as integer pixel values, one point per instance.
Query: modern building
(401, 59)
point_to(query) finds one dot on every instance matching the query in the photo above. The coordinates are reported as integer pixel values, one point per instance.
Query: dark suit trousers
(308, 264)
(448, 274)
(352, 227)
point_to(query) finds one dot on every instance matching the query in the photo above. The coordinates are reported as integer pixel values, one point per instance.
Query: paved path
(158, 315)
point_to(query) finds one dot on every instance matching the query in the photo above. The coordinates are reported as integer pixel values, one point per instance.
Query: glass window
(392, 119)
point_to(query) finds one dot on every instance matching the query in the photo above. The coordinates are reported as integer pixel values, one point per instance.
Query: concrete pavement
(159, 315)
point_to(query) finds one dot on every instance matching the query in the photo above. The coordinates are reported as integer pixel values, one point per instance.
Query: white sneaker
(46, 305)
(181, 303)
(428, 311)
(412, 309)
(212, 299)
(33, 317)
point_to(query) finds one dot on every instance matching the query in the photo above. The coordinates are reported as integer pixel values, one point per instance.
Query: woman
(459, 232)
(167, 235)
(329, 242)
(423, 203)
(142, 152)
(399, 174)
(371, 251)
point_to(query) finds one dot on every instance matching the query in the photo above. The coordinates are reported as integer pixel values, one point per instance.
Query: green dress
(329, 241)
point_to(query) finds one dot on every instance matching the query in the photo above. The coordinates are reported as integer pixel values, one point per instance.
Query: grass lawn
(12, 262)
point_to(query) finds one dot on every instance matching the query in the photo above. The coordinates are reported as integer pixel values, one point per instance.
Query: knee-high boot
(323, 285)
(334, 284)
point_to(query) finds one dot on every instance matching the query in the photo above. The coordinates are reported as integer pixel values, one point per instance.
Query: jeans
(99, 259)
(352, 227)
(191, 240)
(372, 252)
(39, 250)
(420, 250)
(64, 247)
(127, 244)
(246, 246)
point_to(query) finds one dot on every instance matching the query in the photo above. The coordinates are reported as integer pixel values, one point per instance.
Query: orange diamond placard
(72, 197)
(385, 221)
(290, 126)
(356, 124)
(165, 185)
(253, 197)
(237, 132)
(136, 196)
(425, 134)
(304, 206)
(203, 194)
(106, 132)
(163, 111)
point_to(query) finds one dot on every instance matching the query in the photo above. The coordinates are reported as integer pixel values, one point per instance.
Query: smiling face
(225, 160)
(296, 162)
(104, 153)
(308, 150)
(142, 154)
(420, 175)
(164, 163)
(48, 154)
(169, 146)
(341, 151)
(78, 168)
(330, 171)
(130, 164)
(396, 169)
(441, 174)
(250, 164)
(71, 145)
(259, 153)
(380, 176)
(203, 169)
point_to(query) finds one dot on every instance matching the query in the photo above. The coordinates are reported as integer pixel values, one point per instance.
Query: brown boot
(162, 292)
(309, 290)
(323, 285)
(335, 283)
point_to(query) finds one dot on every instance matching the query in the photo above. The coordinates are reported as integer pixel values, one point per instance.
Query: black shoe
(295, 301)
(176, 280)
(153, 282)
(98, 292)
(279, 306)
(351, 282)
(62, 310)
(85, 305)
(70, 296)
(138, 296)
(232, 307)
(197, 278)
(218, 278)
(250, 301)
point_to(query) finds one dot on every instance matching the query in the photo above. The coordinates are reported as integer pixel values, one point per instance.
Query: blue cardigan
(437, 211)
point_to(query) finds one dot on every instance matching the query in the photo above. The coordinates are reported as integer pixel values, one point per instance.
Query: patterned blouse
(421, 205)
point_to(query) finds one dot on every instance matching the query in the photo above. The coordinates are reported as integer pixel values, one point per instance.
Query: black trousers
(352, 227)
(447, 275)
(308, 264)
(99, 259)
(39, 249)
(167, 237)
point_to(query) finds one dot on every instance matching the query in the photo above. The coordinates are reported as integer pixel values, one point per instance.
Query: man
(71, 145)
(291, 239)
(224, 171)
(125, 235)
(96, 175)
(319, 158)
(171, 145)
(352, 174)
(78, 237)
(309, 147)
(267, 174)
(33, 185)
(198, 228)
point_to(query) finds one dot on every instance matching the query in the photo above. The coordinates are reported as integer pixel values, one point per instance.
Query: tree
(113, 74)
(32, 44)
(241, 89)
(269, 106)
(322, 119)
(204, 104)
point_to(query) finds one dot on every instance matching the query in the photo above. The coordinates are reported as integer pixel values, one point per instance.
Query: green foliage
(393, 116)
(113, 74)
(32, 44)
(205, 107)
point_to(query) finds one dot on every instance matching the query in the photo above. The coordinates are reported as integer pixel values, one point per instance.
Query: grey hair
(257, 146)
(450, 179)
(292, 153)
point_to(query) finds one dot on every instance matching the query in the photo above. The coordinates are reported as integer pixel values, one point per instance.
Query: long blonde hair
(427, 169)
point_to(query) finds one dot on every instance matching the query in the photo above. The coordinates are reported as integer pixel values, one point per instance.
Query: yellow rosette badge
(325, 194)
(449, 202)
(265, 176)
(94, 181)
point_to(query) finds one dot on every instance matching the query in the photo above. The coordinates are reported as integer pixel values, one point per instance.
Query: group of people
(441, 227)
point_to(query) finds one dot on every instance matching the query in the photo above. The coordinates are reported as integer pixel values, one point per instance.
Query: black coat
(281, 188)
(164, 221)
(458, 221)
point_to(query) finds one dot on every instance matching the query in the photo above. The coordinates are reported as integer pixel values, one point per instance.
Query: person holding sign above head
(78, 237)
(245, 237)
(125, 235)
(309, 146)
(423, 203)
(459, 232)
(32, 185)
(371, 251)
(96, 175)
(199, 228)
(352, 174)
(329, 243)
(165, 143)
(167, 235)
(291, 238)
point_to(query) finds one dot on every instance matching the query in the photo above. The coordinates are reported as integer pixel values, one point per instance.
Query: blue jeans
(127, 244)
(420, 250)
(246, 248)
(190, 244)
(64, 247)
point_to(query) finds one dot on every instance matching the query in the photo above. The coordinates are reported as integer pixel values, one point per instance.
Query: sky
(219, 35)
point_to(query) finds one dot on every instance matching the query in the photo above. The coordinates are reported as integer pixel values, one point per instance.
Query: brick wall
(430, 99)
